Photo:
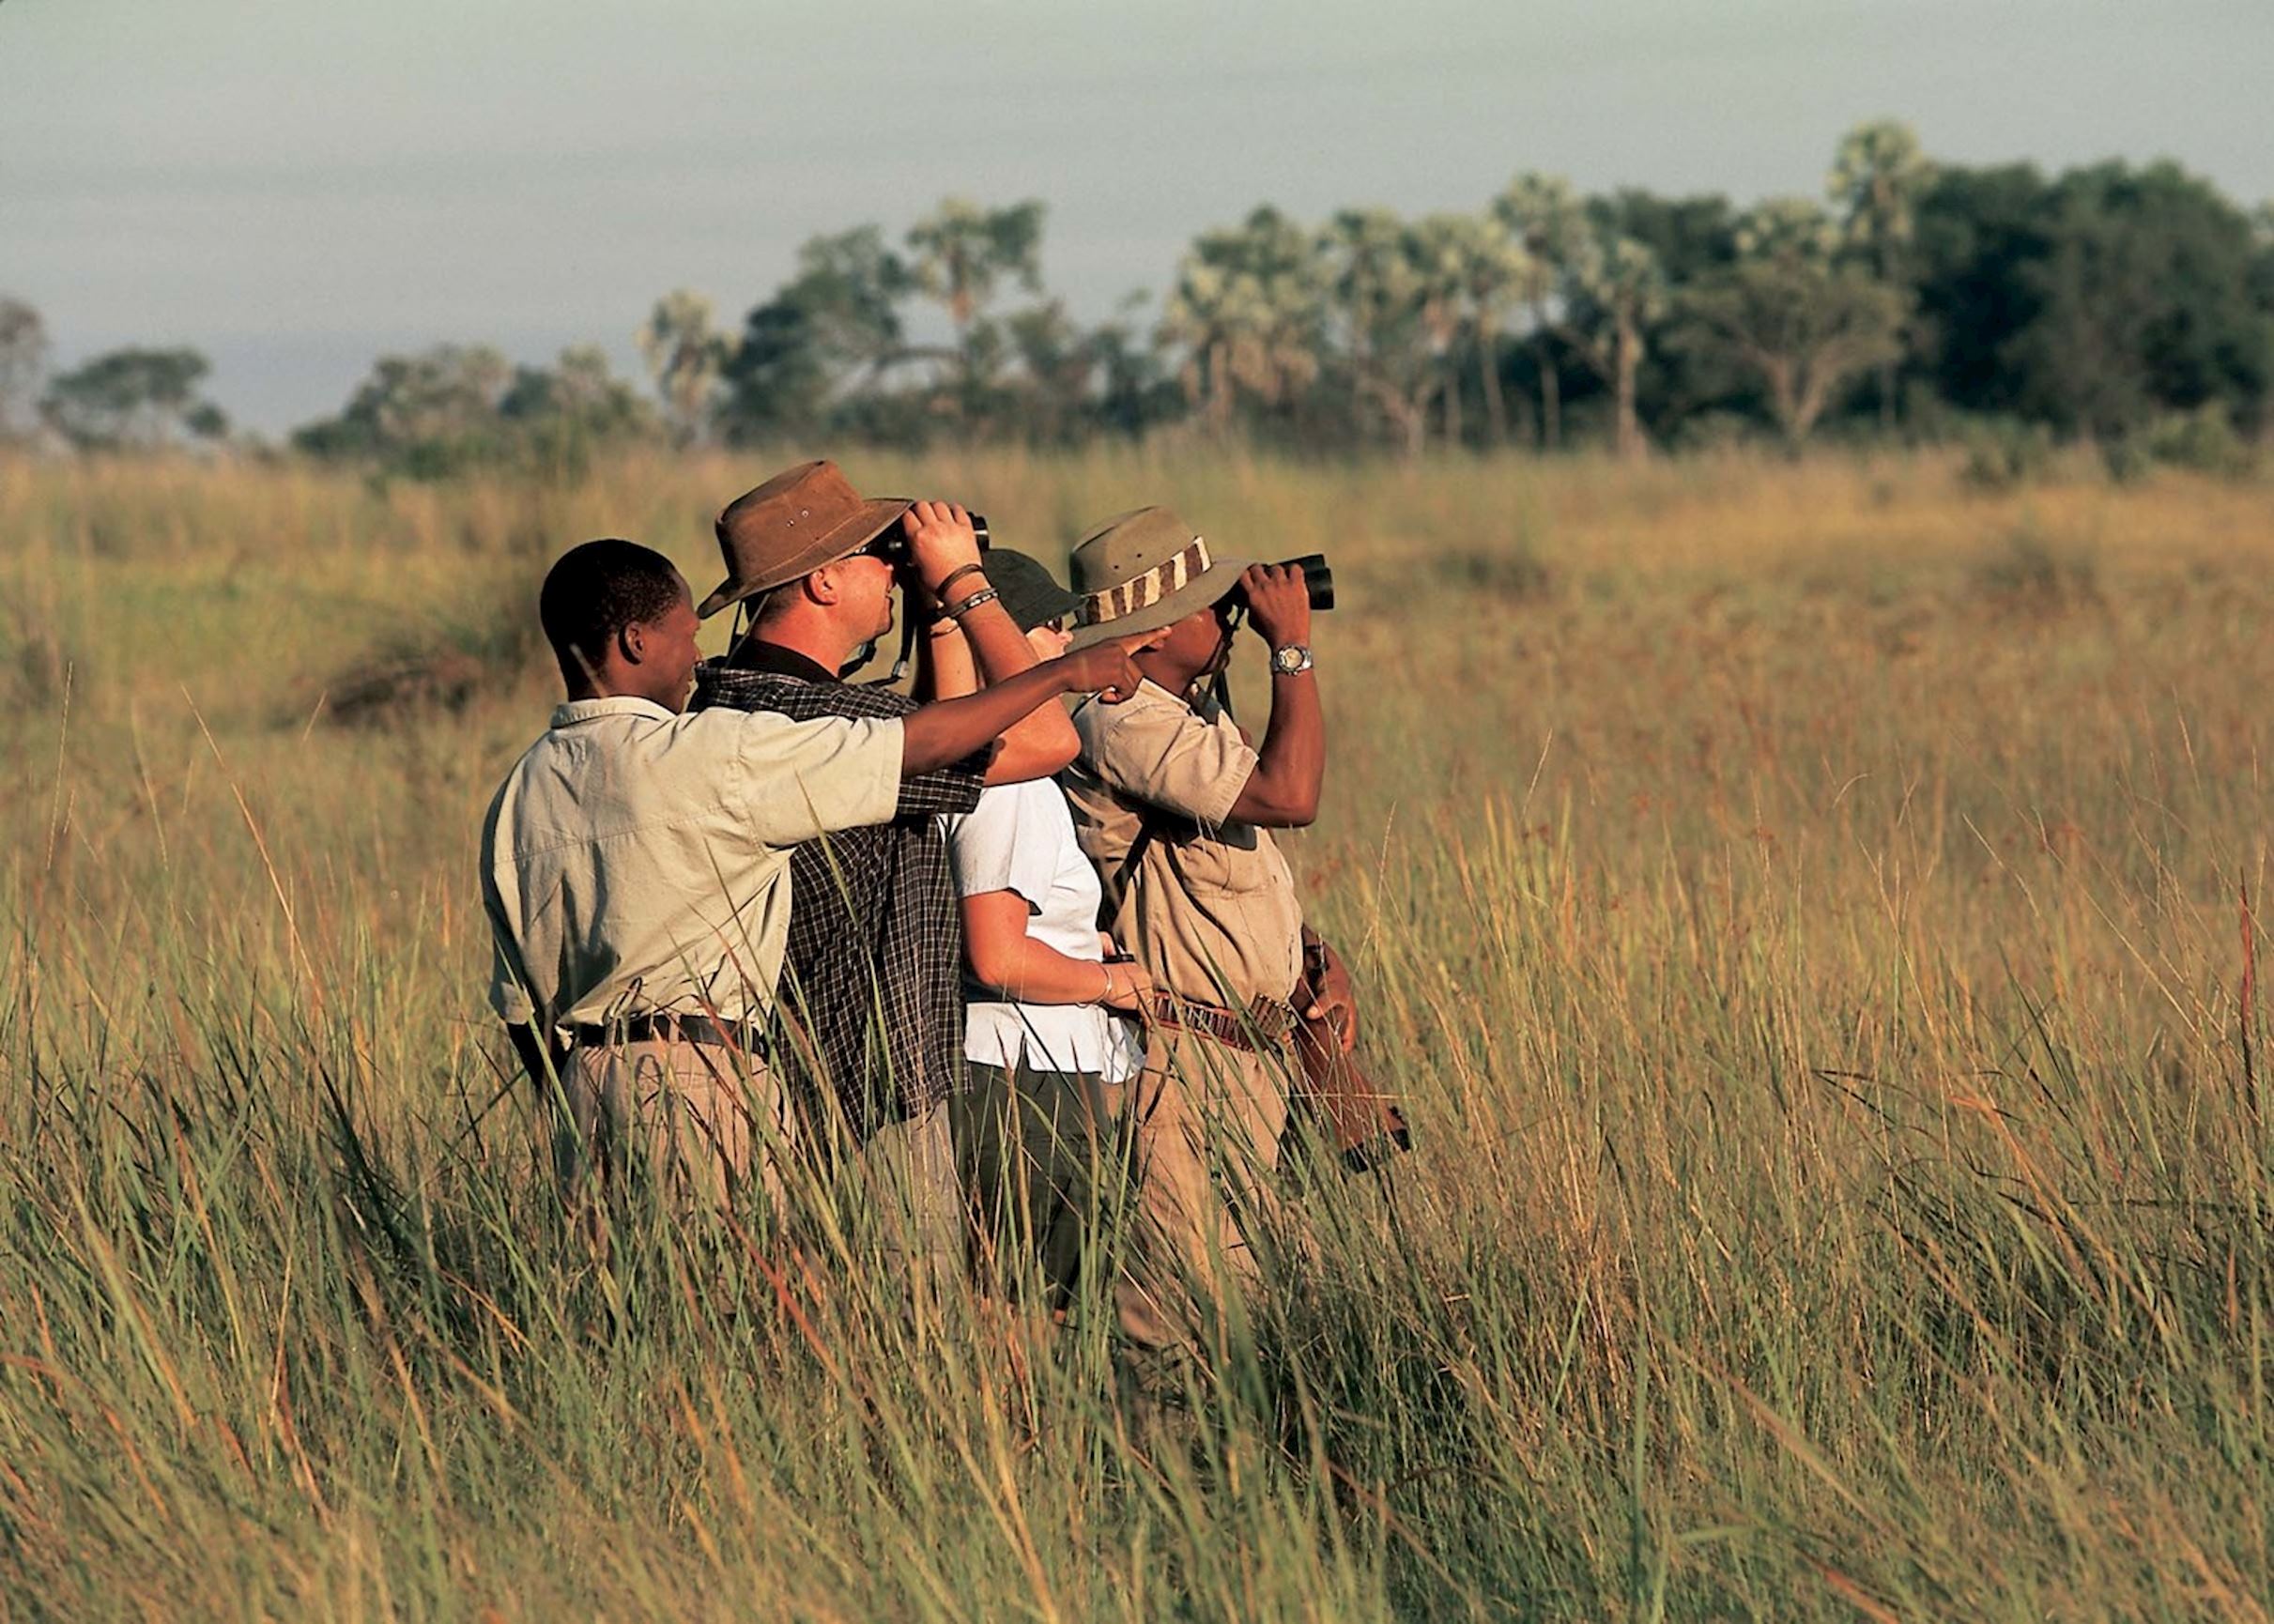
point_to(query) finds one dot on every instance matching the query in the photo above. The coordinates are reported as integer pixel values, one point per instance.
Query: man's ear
(821, 585)
(632, 643)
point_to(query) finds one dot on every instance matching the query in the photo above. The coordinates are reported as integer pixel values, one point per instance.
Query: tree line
(2109, 302)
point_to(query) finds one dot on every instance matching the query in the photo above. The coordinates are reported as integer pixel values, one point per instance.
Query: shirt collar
(773, 659)
(571, 711)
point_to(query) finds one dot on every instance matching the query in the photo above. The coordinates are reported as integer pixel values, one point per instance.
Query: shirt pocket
(1234, 862)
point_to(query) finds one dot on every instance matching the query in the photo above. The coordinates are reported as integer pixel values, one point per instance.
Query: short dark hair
(593, 592)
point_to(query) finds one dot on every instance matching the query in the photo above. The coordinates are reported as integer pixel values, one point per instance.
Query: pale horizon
(297, 194)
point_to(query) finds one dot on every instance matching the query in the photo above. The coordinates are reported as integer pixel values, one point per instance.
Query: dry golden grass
(1811, 905)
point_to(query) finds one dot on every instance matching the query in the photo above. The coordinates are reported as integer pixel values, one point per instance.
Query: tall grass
(1813, 909)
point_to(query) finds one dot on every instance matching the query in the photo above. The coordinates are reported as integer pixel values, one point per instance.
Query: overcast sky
(297, 186)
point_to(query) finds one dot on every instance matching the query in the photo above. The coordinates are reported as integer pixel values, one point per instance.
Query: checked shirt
(871, 991)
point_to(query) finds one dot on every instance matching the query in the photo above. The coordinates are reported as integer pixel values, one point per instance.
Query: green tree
(142, 399)
(1547, 221)
(1877, 179)
(1792, 229)
(837, 321)
(23, 351)
(1604, 291)
(1799, 327)
(1494, 274)
(961, 254)
(1472, 274)
(1391, 312)
(457, 407)
(1789, 315)
(1249, 313)
(1977, 231)
(684, 353)
(2143, 305)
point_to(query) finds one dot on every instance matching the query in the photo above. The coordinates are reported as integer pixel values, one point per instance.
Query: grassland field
(1812, 907)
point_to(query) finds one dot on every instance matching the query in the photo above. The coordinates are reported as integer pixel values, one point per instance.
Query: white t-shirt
(1021, 839)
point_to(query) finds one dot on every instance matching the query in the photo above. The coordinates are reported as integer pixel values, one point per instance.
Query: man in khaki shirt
(633, 863)
(1176, 807)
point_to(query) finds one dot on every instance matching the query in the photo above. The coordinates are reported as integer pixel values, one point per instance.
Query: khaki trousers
(702, 1118)
(707, 1121)
(1203, 1123)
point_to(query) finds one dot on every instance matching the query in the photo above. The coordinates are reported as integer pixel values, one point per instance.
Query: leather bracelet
(940, 592)
(957, 611)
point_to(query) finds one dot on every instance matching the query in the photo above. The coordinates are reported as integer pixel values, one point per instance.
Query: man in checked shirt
(871, 991)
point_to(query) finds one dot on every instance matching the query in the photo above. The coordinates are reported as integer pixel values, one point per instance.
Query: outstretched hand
(1107, 669)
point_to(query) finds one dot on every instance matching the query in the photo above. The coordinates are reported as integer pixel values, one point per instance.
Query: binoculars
(892, 546)
(1318, 582)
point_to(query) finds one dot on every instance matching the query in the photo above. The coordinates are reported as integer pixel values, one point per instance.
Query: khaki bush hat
(1143, 570)
(797, 521)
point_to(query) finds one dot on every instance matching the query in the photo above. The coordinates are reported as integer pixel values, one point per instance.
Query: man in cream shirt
(634, 867)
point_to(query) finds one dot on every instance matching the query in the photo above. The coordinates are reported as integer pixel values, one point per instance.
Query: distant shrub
(2003, 452)
(1514, 573)
(2027, 571)
(2203, 440)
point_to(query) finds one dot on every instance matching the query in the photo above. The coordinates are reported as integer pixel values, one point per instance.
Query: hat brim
(848, 538)
(1204, 590)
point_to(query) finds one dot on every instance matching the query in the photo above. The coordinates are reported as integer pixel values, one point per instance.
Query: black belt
(663, 1026)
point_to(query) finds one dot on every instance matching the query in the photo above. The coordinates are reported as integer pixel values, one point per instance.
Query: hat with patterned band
(1143, 570)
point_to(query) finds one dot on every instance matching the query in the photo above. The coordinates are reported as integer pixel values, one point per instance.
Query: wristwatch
(1290, 660)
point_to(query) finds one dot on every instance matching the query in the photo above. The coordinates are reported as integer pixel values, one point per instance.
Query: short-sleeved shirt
(1020, 839)
(636, 860)
(874, 965)
(1210, 906)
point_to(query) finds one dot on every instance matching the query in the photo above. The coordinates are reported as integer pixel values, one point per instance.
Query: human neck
(1166, 674)
(817, 638)
(603, 686)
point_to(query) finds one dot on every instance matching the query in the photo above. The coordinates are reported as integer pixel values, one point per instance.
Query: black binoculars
(1318, 581)
(892, 546)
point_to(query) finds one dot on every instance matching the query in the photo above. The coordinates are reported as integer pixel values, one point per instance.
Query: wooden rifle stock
(1367, 1126)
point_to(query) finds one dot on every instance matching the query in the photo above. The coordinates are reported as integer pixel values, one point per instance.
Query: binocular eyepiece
(1318, 582)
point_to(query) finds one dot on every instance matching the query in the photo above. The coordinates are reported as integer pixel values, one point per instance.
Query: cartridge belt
(1263, 1026)
(663, 1026)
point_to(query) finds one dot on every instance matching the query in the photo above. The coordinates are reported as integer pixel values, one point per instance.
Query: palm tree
(962, 252)
(684, 353)
(1383, 297)
(1615, 289)
(1792, 229)
(1877, 179)
(1487, 272)
(1248, 312)
(1545, 219)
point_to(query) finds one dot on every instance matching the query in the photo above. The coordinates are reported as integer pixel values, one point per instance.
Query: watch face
(1291, 659)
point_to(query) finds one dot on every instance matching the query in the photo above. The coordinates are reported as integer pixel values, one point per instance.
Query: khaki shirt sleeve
(802, 779)
(508, 978)
(1160, 753)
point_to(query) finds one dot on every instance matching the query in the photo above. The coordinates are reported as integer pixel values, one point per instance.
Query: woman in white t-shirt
(1047, 1027)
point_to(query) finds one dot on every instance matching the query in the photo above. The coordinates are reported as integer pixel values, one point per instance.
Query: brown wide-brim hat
(1143, 571)
(797, 521)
